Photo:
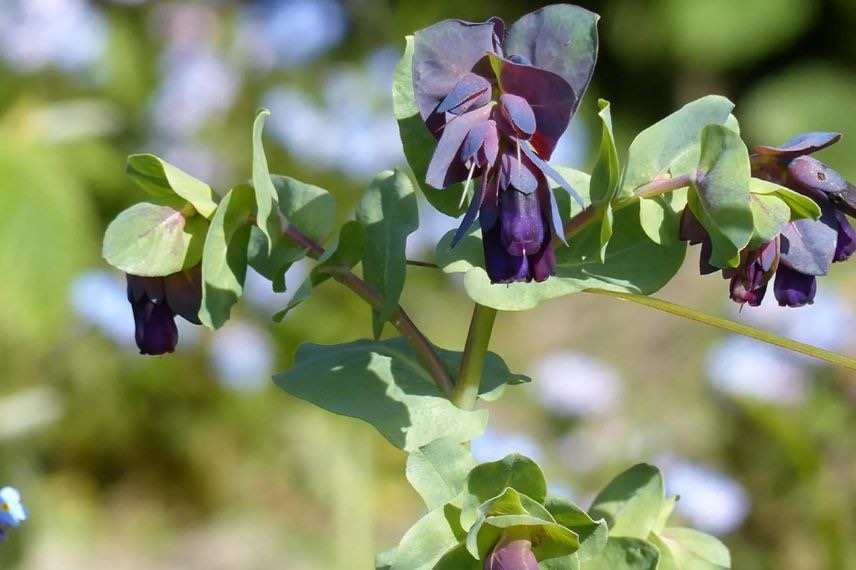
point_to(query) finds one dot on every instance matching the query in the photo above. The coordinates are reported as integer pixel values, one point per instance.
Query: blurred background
(197, 461)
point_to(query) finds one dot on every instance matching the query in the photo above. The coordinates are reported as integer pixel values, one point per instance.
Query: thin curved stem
(466, 390)
(399, 319)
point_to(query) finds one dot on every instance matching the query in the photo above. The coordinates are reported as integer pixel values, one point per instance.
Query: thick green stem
(466, 389)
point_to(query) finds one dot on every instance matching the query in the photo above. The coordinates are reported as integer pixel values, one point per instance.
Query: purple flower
(155, 301)
(499, 118)
(512, 555)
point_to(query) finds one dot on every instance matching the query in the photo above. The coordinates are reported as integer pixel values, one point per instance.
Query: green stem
(466, 390)
(731, 326)
(399, 319)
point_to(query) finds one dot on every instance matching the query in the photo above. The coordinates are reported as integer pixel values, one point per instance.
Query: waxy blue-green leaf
(267, 207)
(458, 558)
(592, 534)
(382, 383)
(605, 177)
(489, 480)
(688, 549)
(388, 212)
(418, 142)
(224, 259)
(162, 180)
(770, 215)
(153, 240)
(624, 553)
(438, 471)
(632, 502)
(719, 197)
(428, 540)
(342, 255)
(801, 206)
(308, 208)
(670, 148)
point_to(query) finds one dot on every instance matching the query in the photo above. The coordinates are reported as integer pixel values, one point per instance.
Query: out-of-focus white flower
(575, 384)
(710, 500)
(242, 356)
(100, 298)
(285, 33)
(747, 368)
(68, 34)
(12, 511)
(493, 445)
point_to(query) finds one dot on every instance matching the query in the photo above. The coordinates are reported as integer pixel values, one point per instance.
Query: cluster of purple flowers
(805, 248)
(498, 118)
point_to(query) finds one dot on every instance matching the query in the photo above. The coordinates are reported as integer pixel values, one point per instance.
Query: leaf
(267, 208)
(161, 179)
(720, 194)
(659, 216)
(417, 140)
(605, 178)
(224, 259)
(623, 553)
(458, 558)
(382, 383)
(592, 534)
(571, 562)
(438, 471)
(631, 503)
(310, 209)
(688, 549)
(770, 215)
(153, 240)
(489, 480)
(388, 212)
(341, 256)
(559, 38)
(428, 540)
(801, 206)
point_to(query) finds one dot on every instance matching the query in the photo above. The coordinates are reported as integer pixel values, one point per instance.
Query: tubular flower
(12, 512)
(805, 248)
(156, 301)
(497, 119)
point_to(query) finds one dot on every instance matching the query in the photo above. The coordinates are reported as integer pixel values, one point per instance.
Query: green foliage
(267, 208)
(605, 178)
(163, 180)
(719, 197)
(438, 471)
(489, 480)
(623, 553)
(388, 212)
(310, 209)
(224, 259)
(153, 240)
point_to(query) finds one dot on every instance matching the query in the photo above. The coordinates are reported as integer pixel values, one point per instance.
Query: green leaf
(688, 549)
(341, 256)
(458, 558)
(605, 178)
(310, 209)
(418, 142)
(267, 208)
(438, 471)
(592, 534)
(153, 240)
(428, 540)
(770, 215)
(382, 383)
(571, 562)
(224, 259)
(801, 206)
(162, 180)
(624, 553)
(719, 197)
(632, 502)
(388, 212)
(489, 480)
(632, 264)
(669, 148)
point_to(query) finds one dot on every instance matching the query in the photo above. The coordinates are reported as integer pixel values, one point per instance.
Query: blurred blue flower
(572, 147)
(710, 500)
(12, 512)
(493, 445)
(99, 298)
(575, 384)
(747, 368)
(242, 356)
(287, 33)
(68, 34)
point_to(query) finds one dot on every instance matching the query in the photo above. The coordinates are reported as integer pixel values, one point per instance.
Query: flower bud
(512, 555)
(794, 289)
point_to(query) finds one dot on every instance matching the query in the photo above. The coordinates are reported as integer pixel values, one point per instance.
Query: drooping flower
(512, 555)
(498, 117)
(12, 511)
(805, 248)
(156, 301)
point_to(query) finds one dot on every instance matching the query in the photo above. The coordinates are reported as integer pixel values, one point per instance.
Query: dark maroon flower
(512, 555)
(155, 301)
(749, 280)
(794, 289)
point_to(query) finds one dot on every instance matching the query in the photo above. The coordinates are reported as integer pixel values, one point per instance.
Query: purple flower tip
(513, 555)
(794, 289)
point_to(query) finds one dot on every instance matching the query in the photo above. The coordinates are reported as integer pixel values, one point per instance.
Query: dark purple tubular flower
(155, 301)
(512, 555)
(498, 119)
(805, 248)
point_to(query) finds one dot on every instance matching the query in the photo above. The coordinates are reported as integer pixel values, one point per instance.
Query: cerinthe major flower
(156, 301)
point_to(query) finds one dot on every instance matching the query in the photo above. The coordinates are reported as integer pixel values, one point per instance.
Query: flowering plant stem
(399, 319)
(466, 390)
